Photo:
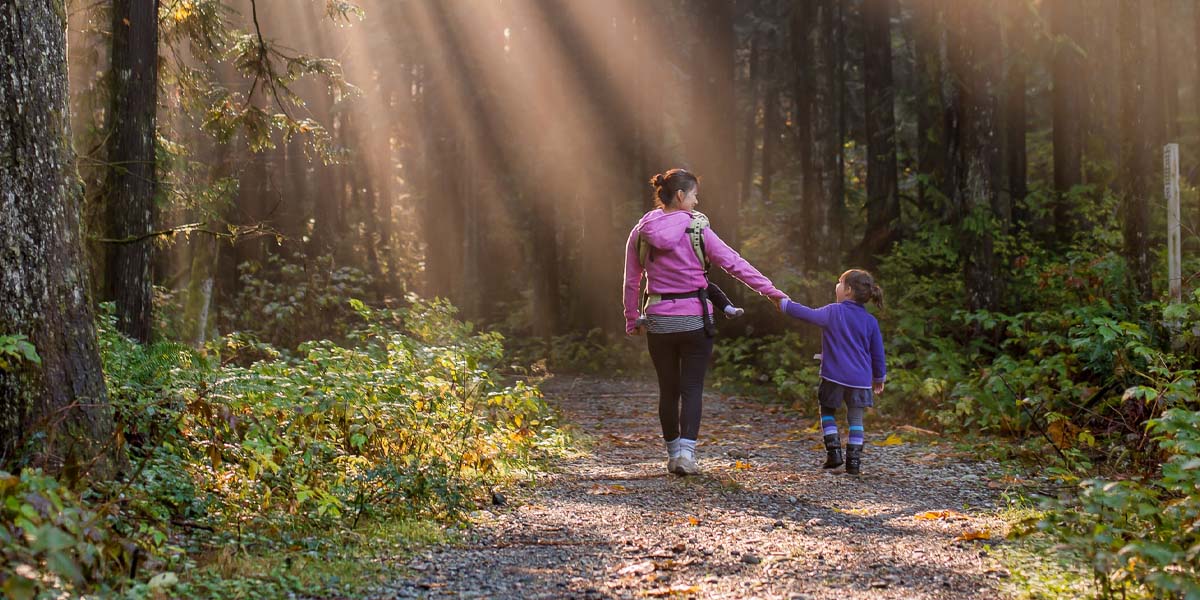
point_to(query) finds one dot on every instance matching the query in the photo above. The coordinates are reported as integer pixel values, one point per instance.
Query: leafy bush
(276, 454)
(1140, 537)
(286, 302)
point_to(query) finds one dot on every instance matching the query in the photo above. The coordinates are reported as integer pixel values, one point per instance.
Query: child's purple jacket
(674, 267)
(851, 343)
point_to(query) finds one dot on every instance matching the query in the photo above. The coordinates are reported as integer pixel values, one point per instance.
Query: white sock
(731, 310)
(687, 448)
(673, 448)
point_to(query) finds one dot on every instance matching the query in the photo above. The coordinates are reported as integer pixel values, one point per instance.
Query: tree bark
(883, 201)
(1068, 111)
(1014, 119)
(132, 180)
(1137, 152)
(931, 131)
(802, 24)
(710, 140)
(750, 125)
(771, 118)
(975, 165)
(44, 283)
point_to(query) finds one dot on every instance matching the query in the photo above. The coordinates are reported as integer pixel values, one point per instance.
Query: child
(852, 361)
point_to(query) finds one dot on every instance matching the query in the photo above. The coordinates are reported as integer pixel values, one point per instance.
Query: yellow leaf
(741, 465)
(974, 534)
(605, 490)
(934, 515)
(892, 440)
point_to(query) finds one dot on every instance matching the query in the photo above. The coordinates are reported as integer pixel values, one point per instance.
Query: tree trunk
(1168, 82)
(883, 201)
(802, 22)
(132, 180)
(975, 166)
(750, 125)
(44, 283)
(1137, 153)
(710, 138)
(1068, 111)
(931, 131)
(771, 118)
(1014, 120)
(829, 127)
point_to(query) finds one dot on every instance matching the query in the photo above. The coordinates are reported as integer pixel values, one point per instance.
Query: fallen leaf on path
(692, 521)
(974, 534)
(934, 515)
(642, 568)
(892, 440)
(860, 512)
(678, 589)
(604, 490)
(912, 429)
(741, 466)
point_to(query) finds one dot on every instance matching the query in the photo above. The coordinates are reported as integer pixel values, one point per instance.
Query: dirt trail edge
(763, 521)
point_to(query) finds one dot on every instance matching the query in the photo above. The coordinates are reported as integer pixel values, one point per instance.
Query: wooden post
(1171, 190)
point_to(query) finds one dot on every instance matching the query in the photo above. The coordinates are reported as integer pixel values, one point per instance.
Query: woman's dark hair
(666, 184)
(863, 285)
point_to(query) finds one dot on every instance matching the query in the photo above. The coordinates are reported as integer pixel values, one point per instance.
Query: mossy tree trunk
(58, 408)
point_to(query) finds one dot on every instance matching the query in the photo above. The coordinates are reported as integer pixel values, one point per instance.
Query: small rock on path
(763, 521)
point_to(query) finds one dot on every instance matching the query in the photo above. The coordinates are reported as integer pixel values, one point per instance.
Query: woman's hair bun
(658, 180)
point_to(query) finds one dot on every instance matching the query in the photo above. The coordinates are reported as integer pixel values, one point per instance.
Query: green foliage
(1140, 536)
(49, 537)
(240, 446)
(15, 348)
(287, 302)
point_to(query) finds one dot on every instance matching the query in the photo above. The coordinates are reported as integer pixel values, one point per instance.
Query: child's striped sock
(855, 417)
(828, 424)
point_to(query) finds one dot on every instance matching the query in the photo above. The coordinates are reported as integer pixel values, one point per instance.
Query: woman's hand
(779, 303)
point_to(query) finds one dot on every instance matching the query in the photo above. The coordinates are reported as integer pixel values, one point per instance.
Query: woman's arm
(633, 282)
(720, 254)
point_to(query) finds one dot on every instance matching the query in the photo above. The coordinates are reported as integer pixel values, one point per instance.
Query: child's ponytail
(863, 285)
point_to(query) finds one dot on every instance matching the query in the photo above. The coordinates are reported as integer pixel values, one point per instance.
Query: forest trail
(763, 521)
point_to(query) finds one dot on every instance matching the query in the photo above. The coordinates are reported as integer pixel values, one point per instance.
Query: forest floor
(762, 521)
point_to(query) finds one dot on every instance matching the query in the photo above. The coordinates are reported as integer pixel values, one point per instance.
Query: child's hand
(878, 387)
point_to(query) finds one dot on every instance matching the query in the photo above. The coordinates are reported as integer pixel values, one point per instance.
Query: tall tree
(772, 119)
(44, 283)
(802, 23)
(975, 161)
(132, 179)
(931, 137)
(1017, 32)
(1137, 151)
(1068, 108)
(750, 124)
(883, 199)
(710, 138)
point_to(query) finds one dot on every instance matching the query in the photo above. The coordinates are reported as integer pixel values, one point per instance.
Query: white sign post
(1171, 191)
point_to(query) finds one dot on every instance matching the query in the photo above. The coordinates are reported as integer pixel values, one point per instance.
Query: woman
(678, 319)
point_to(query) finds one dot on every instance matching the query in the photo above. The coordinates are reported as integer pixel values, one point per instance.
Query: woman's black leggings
(681, 360)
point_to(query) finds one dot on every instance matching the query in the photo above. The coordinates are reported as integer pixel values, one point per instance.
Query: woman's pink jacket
(674, 268)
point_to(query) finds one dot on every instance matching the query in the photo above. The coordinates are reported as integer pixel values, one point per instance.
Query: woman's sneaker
(686, 463)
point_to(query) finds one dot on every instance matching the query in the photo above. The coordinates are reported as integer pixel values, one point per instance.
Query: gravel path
(763, 521)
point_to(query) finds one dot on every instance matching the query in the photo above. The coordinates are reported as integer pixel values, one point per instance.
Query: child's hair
(863, 285)
(666, 184)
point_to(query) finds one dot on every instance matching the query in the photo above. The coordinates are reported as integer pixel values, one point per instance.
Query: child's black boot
(853, 459)
(833, 452)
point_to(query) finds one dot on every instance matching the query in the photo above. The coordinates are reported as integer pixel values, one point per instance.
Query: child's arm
(878, 362)
(816, 316)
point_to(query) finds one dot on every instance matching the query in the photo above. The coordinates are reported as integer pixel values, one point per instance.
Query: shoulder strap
(695, 232)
